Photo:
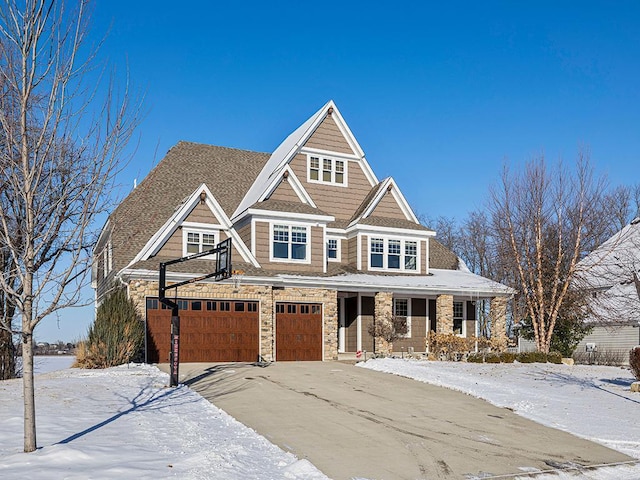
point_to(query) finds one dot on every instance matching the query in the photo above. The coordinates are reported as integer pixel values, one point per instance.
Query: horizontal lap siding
(388, 208)
(328, 137)
(418, 337)
(351, 324)
(621, 338)
(285, 192)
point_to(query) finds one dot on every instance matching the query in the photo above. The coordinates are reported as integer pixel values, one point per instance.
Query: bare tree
(61, 152)
(544, 219)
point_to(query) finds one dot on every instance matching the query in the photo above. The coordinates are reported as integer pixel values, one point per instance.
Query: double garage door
(229, 331)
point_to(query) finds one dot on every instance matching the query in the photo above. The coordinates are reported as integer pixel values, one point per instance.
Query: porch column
(341, 326)
(498, 315)
(383, 313)
(444, 314)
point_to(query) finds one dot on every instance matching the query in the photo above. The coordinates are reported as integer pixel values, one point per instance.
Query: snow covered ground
(593, 402)
(125, 423)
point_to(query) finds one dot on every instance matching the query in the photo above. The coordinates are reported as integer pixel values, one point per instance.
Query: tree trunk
(29, 392)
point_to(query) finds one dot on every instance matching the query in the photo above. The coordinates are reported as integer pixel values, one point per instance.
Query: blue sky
(438, 96)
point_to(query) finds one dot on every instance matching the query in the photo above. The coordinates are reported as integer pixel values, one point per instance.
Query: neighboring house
(611, 273)
(324, 247)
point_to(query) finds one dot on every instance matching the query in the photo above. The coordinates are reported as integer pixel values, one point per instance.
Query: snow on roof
(455, 282)
(278, 159)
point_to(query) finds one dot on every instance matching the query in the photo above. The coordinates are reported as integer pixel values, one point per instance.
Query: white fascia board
(164, 233)
(329, 153)
(373, 229)
(337, 233)
(346, 131)
(297, 187)
(105, 227)
(268, 215)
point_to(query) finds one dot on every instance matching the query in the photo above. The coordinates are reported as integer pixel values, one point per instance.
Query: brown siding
(364, 244)
(388, 208)
(263, 244)
(344, 251)
(328, 137)
(172, 247)
(368, 310)
(285, 192)
(202, 214)
(424, 259)
(418, 328)
(352, 257)
(244, 231)
(342, 202)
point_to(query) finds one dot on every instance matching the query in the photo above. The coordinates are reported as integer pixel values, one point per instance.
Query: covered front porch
(419, 313)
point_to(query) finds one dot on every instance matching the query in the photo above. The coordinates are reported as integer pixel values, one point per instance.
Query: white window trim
(338, 249)
(321, 157)
(408, 334)
(307, 260)
(199, 231)
(385, 254)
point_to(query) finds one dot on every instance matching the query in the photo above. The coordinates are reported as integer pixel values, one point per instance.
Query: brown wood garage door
(298, 331)
(210, 331)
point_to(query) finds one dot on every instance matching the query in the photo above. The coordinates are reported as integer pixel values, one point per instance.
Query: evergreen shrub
(115, 337)
(492, 358)
(475, 358)
(507, 357)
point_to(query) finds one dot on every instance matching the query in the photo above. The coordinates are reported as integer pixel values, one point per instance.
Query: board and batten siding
(328, 137)
(263, 246)
(339, 201)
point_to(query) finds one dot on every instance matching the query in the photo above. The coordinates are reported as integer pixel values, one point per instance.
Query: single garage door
(298, 331)
(210, 331)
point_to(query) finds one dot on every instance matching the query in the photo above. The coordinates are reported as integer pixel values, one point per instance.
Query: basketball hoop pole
(223, 270)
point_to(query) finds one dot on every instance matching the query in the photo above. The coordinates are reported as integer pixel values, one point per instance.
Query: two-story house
(323, 247)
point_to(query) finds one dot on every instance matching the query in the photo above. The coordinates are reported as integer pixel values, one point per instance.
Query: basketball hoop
(237, 277)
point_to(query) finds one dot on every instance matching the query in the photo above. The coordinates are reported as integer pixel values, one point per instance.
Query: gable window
(401, 318)
(333, 249)
(289, 242)
(196, 242)
(393, 254)
(327, 170)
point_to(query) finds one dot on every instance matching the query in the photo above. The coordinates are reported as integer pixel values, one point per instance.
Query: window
(410, 255)
(401, 318)
(279, 307)
(291, 308)
(315, 309)
(211, 306)
(314, 168)
(332, 249)
(458, 317)
(225, 307)
(289, 242)
(196, 305)
(304, 309)
(252, 307)
(393, 254)
(393, 259)
(196, 242)
(377, 252)
(239, 307)
(152, 303)
(327, 170)
(183, 304)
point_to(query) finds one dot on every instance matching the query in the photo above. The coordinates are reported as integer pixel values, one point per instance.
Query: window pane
(339, 166)
(410, 251)
(457, 309)
(394, 247)
(339, 177)
(211, 305)
(291, 308)
(280, 233)
(193, 237)
(280, 250)
(313, 175)
(409, 263)
(401, 307)
(239, 307)
(299, 234)
(376, 260)
(314, 162)
(377, 245)
(394, 261)
(196, 305)
(298, 251)
(208, 241)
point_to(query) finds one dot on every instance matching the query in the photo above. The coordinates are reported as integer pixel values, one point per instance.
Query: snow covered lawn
(593, 402)
(124, 423)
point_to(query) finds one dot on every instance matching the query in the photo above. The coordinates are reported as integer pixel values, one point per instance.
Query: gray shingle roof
(228, 173)
(441, 257)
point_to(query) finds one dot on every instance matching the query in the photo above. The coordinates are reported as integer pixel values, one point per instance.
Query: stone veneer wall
(444, 314)
(383, 312)
(139, 290)
(498, 314)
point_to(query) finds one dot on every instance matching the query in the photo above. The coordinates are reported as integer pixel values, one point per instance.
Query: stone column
(444, 314)
(498, 315)
(383, 313)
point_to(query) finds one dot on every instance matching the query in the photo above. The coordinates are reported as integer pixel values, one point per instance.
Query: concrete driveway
(353, 422)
